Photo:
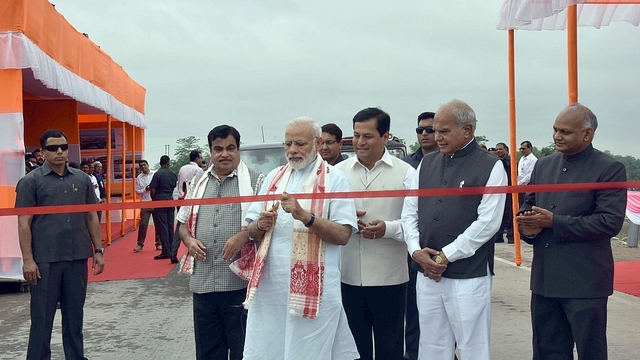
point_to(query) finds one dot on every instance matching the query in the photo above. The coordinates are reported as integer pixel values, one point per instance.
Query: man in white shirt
(185, 176)
(449, 238)
(142, 188)
(525, 166)
(374, 261)
(293, 317)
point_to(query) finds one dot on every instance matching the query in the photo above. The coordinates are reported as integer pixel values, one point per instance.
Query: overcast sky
(261, 63)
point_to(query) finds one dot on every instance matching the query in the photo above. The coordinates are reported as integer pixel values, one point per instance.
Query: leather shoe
(174, 260)
(162, 257)
(137, 248)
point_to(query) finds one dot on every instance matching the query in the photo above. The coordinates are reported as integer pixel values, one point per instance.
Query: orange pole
(512, 143)
(572, 52)
(133, 178)
(108, 181)
(123, 218)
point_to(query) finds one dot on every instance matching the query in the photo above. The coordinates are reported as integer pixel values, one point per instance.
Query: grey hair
(97, 163)
(463, 112)
(590, 119)
(305, 120)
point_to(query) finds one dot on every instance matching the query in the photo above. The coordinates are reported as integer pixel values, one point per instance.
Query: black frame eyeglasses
(429, 130)
(54, 148)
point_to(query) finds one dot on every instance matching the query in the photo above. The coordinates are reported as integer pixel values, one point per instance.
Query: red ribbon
(36, 210)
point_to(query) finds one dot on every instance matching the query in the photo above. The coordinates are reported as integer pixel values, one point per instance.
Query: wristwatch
(438, 259)
(100, 251)
(313, 218)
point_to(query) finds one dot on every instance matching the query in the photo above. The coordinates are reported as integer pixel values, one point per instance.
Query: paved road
(151, 318)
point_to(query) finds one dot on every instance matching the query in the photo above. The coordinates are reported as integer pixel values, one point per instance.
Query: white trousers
(454, 311)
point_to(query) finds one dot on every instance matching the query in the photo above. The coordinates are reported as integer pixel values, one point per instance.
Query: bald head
(574, 129)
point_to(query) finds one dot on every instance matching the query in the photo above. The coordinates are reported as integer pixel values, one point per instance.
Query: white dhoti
(454, 311)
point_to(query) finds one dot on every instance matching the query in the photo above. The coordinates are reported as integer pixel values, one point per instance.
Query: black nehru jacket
(442, 218)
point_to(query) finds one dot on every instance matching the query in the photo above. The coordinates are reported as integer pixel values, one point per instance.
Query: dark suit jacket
(100, 179)
(574, 259)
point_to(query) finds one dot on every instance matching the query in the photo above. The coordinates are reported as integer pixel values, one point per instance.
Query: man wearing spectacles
(55, 247)
(331, 144)
(426, 139)
(293, 297)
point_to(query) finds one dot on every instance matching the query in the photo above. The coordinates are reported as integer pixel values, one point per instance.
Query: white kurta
(272, 333)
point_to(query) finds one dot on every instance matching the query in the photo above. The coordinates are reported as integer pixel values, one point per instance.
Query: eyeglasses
(54, 148)
(429, 129)
(523, 148)
(329, 142)
(298, 143)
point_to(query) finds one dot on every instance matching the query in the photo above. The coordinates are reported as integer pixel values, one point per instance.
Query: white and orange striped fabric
(551, 14)
(35, 37)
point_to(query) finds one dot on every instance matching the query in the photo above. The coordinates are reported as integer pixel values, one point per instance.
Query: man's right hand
(31, 272)
(431, 268)
(196, 248)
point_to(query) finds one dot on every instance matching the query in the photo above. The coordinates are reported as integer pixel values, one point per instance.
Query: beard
(306, 161)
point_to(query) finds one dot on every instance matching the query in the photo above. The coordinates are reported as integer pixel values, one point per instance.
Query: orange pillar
(572, 52)
(11, 108)
(123, 218)
(133, 176)
(512, 142)
(111, 176)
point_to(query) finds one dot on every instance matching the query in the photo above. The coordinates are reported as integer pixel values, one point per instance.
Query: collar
(581, 155)
(214, 174)
(466, 150)
(46, 169)
(386, 158)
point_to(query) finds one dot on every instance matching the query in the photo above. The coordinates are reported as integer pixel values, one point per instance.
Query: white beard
(301, 164)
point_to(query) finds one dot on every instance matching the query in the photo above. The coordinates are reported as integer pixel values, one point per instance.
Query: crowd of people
(328, 277)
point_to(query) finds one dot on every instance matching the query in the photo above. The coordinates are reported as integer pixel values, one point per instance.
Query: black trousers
(64, 281)
(379, 309)
(559, 323)
(412, 325)
(175, 245)
(163, 219)
(219, 325)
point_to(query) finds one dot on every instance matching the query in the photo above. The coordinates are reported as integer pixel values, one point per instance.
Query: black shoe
(174, 260)
(162, 257)
(510, 241)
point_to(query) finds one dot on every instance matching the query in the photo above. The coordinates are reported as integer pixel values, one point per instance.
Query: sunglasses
(54, 148)
(429, 130)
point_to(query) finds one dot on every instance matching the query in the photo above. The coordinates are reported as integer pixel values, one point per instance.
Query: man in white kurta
(272, 331)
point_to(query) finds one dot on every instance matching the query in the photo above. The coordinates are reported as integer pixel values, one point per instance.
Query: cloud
(253, 63)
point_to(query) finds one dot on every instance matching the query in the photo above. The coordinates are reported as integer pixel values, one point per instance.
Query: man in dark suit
(572, 270)
(97, 172)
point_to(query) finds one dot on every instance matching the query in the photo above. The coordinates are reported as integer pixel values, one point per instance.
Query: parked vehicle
(263, 157)
(395, 146)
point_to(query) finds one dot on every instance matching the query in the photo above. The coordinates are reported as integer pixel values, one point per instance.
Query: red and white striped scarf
(307, 250)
